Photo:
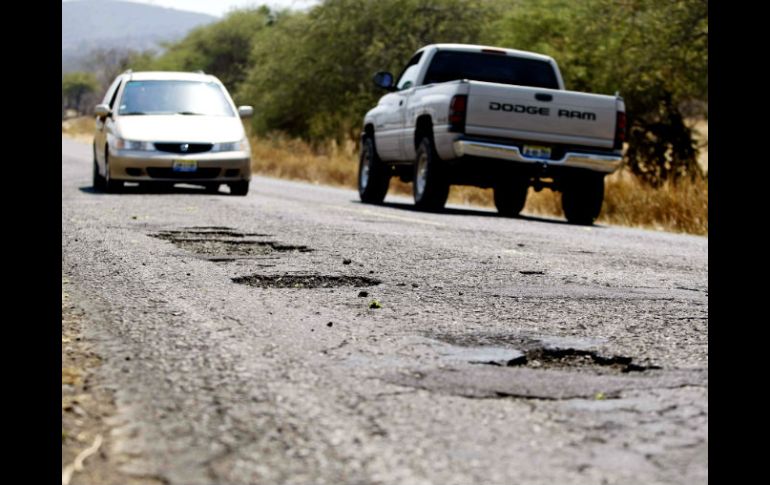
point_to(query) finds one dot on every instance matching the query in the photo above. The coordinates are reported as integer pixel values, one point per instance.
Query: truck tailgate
(525, 113)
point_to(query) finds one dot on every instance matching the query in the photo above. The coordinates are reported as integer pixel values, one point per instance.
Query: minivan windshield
(174, 97)
(494, 68)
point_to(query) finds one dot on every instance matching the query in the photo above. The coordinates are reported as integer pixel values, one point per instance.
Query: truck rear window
(494, 68)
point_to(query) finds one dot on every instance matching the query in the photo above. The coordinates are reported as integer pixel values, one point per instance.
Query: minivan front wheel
(98, 182)
(111, 186)
(239, 188)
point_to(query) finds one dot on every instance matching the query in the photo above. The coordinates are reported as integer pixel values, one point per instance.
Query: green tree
(654, 52)
(107, 63)
(311, 73)
(221, 48)
(74, 87)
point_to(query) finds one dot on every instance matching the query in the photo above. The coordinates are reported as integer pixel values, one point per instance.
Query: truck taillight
(457, 109)
(620, 130)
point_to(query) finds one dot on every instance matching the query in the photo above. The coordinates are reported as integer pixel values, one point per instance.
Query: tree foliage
(654, 52)
(221, 49)
(309, 73)
(107, 63)
(74, 87)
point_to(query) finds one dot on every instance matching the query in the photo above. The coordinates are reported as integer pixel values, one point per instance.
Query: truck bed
(540, 115)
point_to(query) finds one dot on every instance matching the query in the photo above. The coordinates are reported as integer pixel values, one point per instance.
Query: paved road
(238, 335)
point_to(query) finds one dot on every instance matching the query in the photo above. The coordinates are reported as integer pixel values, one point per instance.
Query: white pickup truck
(494, 118)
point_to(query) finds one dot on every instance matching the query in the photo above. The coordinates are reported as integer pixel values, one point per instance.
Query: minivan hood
(180, 128)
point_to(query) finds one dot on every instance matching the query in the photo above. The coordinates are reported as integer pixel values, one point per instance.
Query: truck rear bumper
(590, 161)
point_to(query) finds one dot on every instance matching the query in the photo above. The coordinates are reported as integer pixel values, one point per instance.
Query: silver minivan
(164, 128)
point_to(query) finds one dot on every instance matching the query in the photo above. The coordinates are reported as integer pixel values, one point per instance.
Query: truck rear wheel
(430, 187)
(511, 195)
(582, 198)
(373, 175)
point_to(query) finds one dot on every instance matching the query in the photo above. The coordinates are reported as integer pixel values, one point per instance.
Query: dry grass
(681, 207)
(81, 128)
(282, 157)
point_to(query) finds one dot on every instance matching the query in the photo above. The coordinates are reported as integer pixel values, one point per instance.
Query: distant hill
(89, 24)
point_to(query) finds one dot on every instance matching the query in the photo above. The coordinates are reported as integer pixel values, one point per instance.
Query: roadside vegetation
(676, 205)
(308, 76)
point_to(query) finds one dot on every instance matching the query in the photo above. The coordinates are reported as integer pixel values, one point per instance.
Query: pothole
(531, 367)
(572, 358)
(236, 248)
(209, 228)
(542, 353)
(225, 244)
(305, 281)
(206, 234)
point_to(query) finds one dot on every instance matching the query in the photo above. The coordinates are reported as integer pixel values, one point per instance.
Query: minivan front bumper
(140, 166)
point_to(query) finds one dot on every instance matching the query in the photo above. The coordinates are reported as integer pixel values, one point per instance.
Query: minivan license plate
(537, 151)
(185, 166)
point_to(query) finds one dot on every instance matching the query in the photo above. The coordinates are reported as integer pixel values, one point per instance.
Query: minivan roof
(169, 76)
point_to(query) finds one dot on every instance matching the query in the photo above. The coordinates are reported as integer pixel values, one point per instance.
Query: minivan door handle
(543, 97)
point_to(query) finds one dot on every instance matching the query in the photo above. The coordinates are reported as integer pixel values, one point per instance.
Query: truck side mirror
(245, 111)
(384, 80)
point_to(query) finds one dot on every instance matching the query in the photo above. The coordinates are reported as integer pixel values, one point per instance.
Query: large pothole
(541, 353)
(223, 244)
(206, 233)
(305, 281)
(537, 368)
(572, 358)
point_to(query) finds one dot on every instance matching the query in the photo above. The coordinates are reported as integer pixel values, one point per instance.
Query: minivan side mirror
(102, 110)
(245, 111)
(384, 80)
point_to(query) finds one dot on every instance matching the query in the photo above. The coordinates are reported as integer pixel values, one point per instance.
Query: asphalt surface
(238, 337)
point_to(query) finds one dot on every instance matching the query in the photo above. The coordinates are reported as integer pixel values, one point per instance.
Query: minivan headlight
(122, 144)
(234, 146)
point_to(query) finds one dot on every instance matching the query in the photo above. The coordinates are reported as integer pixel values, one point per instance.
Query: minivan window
(174, 97)
(494, 68)
(109, 96)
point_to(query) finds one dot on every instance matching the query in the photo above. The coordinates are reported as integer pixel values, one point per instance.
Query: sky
(219, 8)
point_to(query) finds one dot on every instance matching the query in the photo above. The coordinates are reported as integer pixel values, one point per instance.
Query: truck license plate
(185, 166)
(535, 151)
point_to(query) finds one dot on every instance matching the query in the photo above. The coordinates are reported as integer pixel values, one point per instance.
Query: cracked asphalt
(237, 336)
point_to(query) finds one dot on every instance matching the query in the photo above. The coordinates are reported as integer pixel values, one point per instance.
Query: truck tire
(582, 198)
(373, 174)
(430, 187)
(511, 195)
